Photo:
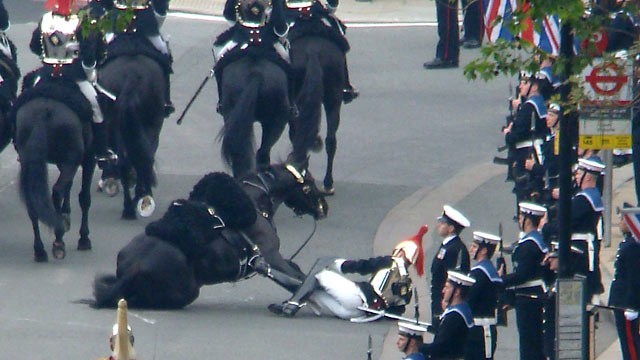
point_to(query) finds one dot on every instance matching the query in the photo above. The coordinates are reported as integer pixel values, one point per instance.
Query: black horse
(318, 62)
(54, 131)
(212, 237)
(131, 84)
(254, 86)
(10, 74)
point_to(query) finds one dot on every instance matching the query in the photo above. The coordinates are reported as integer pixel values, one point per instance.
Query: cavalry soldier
(410, 337)
(334, 29)
(526, 281)
(147, 21)
(451, 336)
(625, 287)
(264, 30)
(325, 289)
(67, 53)
(525, 135)
(483, 298)
(452, 254)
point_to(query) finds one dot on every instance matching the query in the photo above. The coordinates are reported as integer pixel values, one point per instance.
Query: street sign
(606, 112)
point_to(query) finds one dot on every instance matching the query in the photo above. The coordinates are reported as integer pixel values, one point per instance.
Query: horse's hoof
(84, 244)
(109, 186)
(58, 250)
(66, 222)
(328, 191)
(146, 206)
(40, 256)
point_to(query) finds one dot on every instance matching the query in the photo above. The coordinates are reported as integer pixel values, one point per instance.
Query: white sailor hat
(459, 278)
(532, 209)
(592, 164)
(485, 238)
(554, 108)
(410, 330)
(454, 217)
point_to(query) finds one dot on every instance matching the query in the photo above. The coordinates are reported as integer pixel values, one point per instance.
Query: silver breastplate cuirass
(59, 41)
(393, 284)
(131, 4)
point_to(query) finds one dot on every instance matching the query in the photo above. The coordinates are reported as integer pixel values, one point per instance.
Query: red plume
(417, 238)
(62, 7)
(412, 248)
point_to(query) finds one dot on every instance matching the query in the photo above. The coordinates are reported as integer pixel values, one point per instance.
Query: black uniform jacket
(625, 287)
(450, 256)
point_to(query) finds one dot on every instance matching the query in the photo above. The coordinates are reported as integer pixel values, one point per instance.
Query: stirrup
(169, 109)
(105, 159)
(349, 94)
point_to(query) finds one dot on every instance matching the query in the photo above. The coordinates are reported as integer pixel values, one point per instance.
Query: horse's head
(302, 195)
(253, 13)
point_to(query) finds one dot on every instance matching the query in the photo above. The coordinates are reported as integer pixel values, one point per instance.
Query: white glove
(630, 315)
(336, 265)
(91, 72)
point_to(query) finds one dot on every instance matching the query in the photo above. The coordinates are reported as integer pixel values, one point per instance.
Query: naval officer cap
(454, 217)
(410, 330)
(480, 237)
(532, 209)
(459, 278)
(593, 164)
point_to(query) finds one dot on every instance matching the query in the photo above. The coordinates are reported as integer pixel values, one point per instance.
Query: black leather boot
(102, 153)
(168, 105)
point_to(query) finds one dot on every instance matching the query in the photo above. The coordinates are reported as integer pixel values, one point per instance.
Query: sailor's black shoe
(438, 63)
(275, 308)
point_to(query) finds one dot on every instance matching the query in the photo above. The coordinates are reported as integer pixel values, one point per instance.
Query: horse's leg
(61, 193)
(128, 212)
(84, 199)
(271, 132)
(39, 254)
(332, 110)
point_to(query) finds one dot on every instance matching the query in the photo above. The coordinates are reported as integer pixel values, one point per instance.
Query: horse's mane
(226, 195)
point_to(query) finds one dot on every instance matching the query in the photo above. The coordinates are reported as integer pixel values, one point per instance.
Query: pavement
(426, 203)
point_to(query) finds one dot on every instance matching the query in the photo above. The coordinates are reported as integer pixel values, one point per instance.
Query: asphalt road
(410, 133)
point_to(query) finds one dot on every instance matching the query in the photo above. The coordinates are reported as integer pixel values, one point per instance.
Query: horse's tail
(132, 116)
(238, 128)
(34, 184)
(309, 102)
(107, 291)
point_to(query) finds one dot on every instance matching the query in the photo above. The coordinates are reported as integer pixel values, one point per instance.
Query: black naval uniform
(526, 281)
(452, 254)
(451, 336)
(519, 140)
(483, 301)
(4, 18)
(586, 213)
(625, 293)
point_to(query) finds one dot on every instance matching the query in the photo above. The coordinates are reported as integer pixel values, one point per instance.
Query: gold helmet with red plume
(62, 7)
(412, 248)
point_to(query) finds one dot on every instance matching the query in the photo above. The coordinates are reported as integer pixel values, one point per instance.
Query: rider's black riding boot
(103, 154)
(290, 307)
(168, 105)
(349, 93)
(287, 281)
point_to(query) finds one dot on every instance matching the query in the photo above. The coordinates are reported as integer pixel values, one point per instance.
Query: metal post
(607, 196)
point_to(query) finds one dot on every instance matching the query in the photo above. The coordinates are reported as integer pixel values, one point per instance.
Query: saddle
(188, 225)
(60, 89)
(126, 44)
(248, 46)
(318, 26)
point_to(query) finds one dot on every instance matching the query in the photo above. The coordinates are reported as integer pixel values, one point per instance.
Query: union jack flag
(548, 39)
(632, 219)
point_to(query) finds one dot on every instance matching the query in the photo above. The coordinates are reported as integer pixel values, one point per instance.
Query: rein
(266, 189)
(315, 225)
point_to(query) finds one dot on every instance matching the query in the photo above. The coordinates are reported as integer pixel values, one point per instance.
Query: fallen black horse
(212, 237)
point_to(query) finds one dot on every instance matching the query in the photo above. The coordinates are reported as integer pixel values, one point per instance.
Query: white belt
(591, 248)
(528, 143)
(484, 321)
(531, 284)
